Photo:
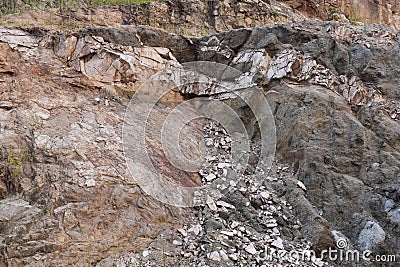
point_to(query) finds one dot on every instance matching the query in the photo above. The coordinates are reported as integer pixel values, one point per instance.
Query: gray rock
(278, 243)
(214, 256)
(393, 211)
(371, 236)
(14, 209)
(251, 249)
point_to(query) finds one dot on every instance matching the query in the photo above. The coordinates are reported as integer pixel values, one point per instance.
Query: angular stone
(251, 249)
(278, 243)
(371, 235)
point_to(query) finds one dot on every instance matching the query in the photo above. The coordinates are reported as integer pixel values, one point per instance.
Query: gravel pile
(252, 225)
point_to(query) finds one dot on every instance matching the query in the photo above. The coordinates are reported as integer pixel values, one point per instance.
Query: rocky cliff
(366, 11)
(68, 198)
(197, 18)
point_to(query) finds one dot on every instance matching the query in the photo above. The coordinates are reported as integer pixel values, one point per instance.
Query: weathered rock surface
(197, 18)
(366, 11)
(188, 17)
(67, 197)
(331, 137)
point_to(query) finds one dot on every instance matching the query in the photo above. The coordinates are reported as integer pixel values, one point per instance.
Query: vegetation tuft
(16, 6)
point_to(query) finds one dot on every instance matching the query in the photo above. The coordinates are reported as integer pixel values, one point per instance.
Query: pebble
(90, 182)
(223, 165)
(251, 249)
(227, 233)
(210, 158)
(265, 195)
(225, 204)
(214, 256)
(233, 257)
(375, 166)
(271, 225)
(182, 232)
(317, 262)
(235, 224)
(196, 229)
(301, 185)
(223, 255)
(210, 177)
(211, 205)
(209, 142)
(278, 243)
(177, 243)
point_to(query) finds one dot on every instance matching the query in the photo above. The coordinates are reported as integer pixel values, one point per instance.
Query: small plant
(139, 259)
(353, 17)
(89, 259)
(164, 255)
(331, 12)
(71, 24)
(8, 6)
(15, 162)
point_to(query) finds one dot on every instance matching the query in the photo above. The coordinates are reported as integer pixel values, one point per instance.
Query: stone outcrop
(188, 17)
(64, 185)
(197, 18)
(310, 109)
(365, 11)
(68, 199)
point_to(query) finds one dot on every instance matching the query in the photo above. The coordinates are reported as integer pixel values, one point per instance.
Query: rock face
(329, 135)
(366, 11)
(68, 199)
(188, 17)
(63, 178)
(197, 18)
